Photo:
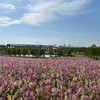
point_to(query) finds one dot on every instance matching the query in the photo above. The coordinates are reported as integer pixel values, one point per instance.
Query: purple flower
(86, 98)
(73, 92)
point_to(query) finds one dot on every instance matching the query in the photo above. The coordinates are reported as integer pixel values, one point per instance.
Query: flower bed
(49, 79)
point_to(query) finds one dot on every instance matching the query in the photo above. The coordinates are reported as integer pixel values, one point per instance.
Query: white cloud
(5, 21)
(47, 41)
(0, 30)
(80, 43)
(7, 6)
(44, 10)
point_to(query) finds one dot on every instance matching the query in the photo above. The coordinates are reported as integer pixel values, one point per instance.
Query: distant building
(3, 46)
(30, 45)
(36, 46)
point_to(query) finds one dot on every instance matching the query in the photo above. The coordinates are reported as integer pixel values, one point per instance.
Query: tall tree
(33, 52)
(25, 51)
(59, 52)
(55, 51)
(75, 50)
(41, 52)
(19, 51)
(68, 52)
(64, 51)
(9, 51)
(50, 52)
(14, 51)
(93, 46)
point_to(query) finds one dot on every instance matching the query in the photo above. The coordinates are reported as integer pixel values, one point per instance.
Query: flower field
(49, 79)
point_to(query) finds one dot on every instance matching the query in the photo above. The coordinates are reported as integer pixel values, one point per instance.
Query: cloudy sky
(75, 22)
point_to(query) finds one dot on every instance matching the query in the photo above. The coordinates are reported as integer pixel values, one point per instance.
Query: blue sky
(75, 22)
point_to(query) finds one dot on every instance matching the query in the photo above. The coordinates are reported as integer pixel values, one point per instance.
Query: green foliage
(15, 89)
(41, 52)
(59, 52)
(64, 50)
(50, 52)
(19, 51)
(68, 52)
(92, 51)
(75, 50)
(55, 50)
(9, 51)
(37, 50)
(14, 51)
(93, 46)
(25, 51)
(79, 50)
(33, 52)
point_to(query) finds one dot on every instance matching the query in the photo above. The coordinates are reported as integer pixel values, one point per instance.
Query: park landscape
(49, 49)
(60, 78)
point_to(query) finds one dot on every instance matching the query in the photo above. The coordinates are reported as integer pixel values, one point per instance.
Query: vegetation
(19, 51)
(41, 52)
(50, 52)
(68, 52)
(59, 52)
(33, 52)
(92, 51)
(55, 51)
(53, 79)
(9, 51)
(25, 51)
(14, 52)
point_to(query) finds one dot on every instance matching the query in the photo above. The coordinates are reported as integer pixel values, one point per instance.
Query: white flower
(69, 90)
(74, 97)
(75, 78)
(30, 83)
(66, 98)
(44, 75)
(82, 97)
(15, 83)
(54, 90)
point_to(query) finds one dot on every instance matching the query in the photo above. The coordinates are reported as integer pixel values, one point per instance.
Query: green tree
(79, 50)
(50, 52)
(14, 51)
(93, 46)
(33, 52)
(68, 52)
(92, 51)
(55, 51)
(37, 52)
(59, 52)
(9, 51)
(25, 51)
(83, 50)
(41, 52)
(98, 51)
(75, 50)
(64, 51)
(19, 51)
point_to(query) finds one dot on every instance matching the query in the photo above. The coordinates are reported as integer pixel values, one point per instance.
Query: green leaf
(33, 89)
(43, 94)
(15, 89)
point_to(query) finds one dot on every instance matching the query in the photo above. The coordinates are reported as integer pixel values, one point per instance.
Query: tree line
(90, 51)
(35, 52)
